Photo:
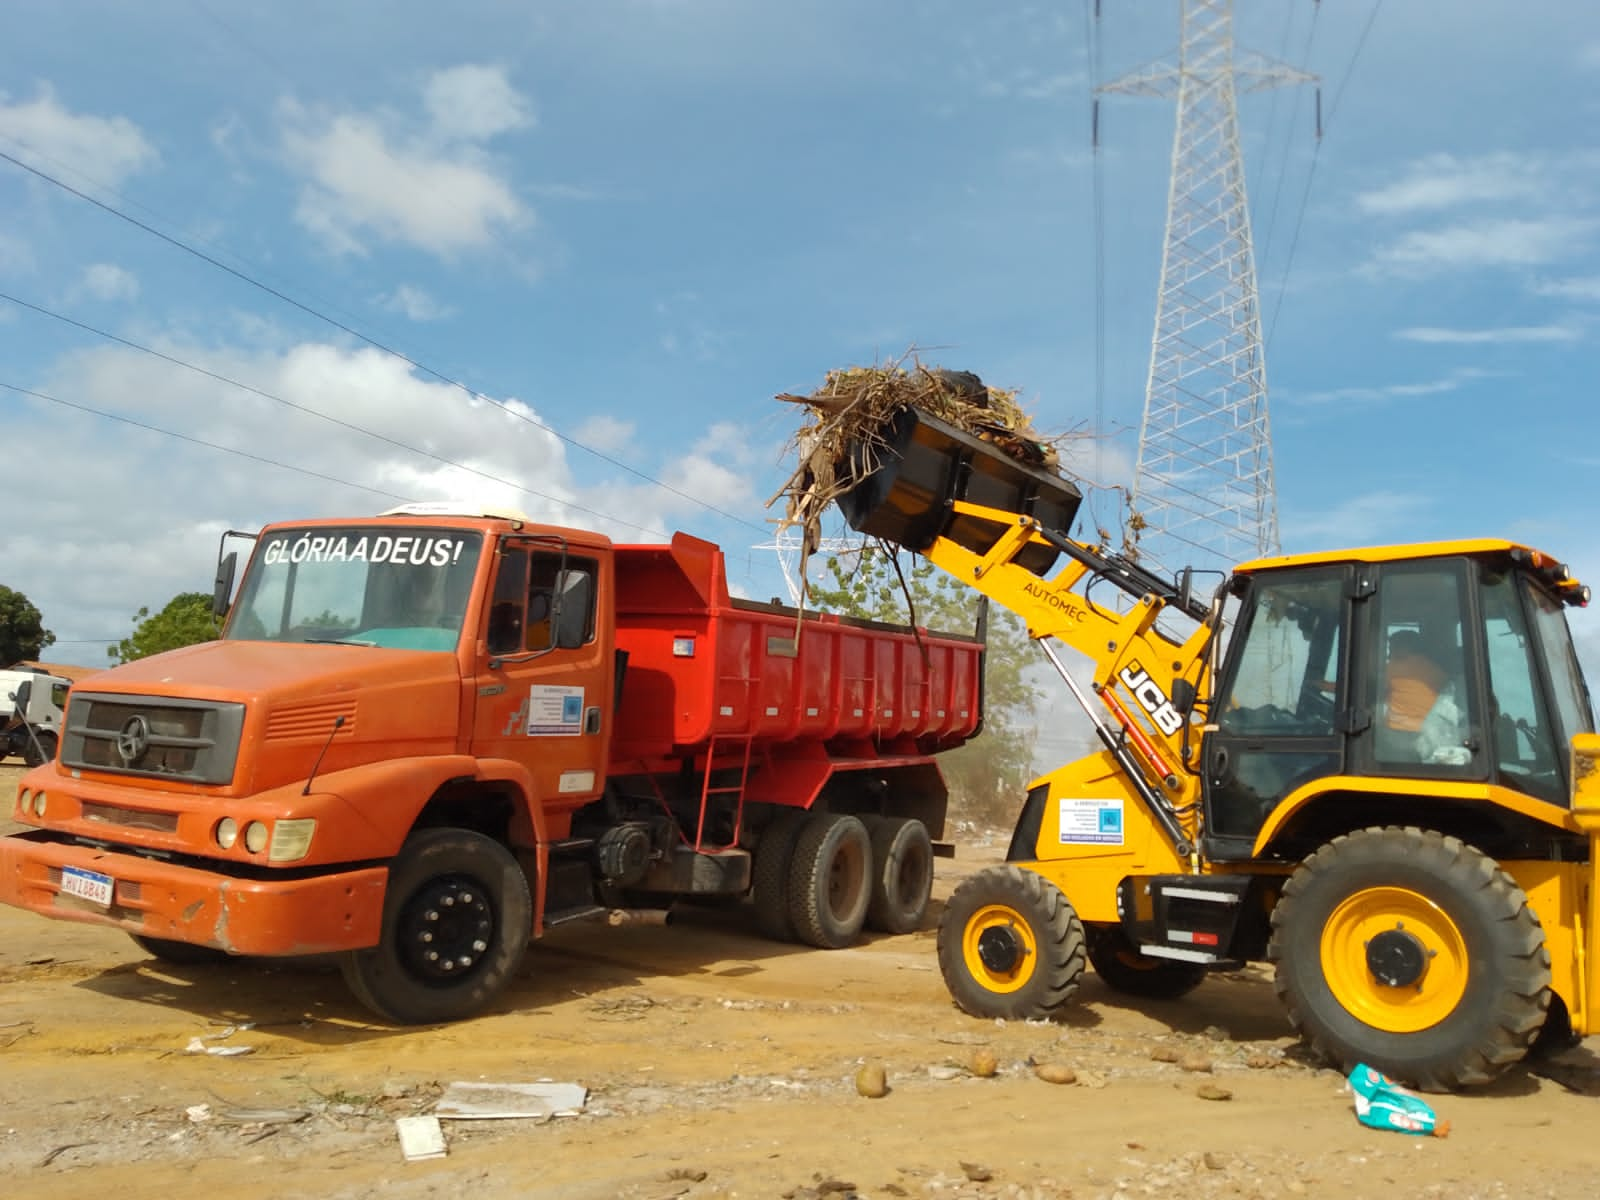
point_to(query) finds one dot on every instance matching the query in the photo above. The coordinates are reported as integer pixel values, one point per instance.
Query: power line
(179, 244)
(266, 395)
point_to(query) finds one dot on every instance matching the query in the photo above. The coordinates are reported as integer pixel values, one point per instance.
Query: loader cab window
(1529, 731)
(1425, 714)
(539, 604)
(1277, 711)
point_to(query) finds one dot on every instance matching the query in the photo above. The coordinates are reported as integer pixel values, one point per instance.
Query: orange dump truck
(425, 738)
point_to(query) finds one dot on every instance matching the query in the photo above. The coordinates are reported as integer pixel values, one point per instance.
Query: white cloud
(105, 150)
(606, 433)
(1507, 335)
(473, 103)
(414, 303)
(1441, 181)
(432, 186)
(1358, 521)
(107, 281)
(1390, 391)
(1509, 242)
(1582, 288)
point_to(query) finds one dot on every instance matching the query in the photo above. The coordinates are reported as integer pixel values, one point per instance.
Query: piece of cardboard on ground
(421, 1138)
(508, 1101)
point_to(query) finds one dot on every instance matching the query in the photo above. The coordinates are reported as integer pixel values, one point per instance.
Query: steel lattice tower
(1204, 489)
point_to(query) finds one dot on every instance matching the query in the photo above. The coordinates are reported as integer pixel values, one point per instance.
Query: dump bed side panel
(701, 664)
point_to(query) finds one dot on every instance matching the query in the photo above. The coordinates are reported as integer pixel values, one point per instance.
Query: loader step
(1188, 918)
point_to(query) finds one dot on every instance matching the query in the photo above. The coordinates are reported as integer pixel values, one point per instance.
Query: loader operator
(1412, 683)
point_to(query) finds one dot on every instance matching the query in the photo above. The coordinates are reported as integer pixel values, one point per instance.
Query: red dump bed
(701, 664)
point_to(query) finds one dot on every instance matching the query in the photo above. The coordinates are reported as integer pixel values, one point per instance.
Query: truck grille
(196, 741)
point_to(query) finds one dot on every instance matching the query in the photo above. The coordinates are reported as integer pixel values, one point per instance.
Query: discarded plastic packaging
(1383, 1104)
(421, 1138)
(196, 1046)
(507, 1101)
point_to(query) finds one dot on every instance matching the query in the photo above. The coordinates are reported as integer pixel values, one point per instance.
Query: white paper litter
(508, 1101)
(421, 1138)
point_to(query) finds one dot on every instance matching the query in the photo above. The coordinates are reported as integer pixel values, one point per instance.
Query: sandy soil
(718, 1065)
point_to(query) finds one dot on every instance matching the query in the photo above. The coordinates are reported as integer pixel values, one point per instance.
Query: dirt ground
(718, 1065)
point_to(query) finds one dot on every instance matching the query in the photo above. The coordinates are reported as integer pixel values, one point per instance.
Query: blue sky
(631, 222)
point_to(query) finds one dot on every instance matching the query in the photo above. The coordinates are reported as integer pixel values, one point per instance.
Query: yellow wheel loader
(1374, 769)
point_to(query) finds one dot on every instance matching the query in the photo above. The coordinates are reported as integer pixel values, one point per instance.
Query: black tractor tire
(1123, 969)
(457, 917)
(769, 887)
(902, 874)
(181, 954)
(42, 752)
(1010, 945)
(830, 880)
(1414, 953)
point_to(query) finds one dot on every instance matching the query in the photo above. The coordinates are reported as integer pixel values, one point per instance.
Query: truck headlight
(227, 833)
(291, 840)
(255, 837)
(39, 803)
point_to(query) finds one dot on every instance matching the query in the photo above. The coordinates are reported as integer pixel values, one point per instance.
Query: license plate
(91, 885)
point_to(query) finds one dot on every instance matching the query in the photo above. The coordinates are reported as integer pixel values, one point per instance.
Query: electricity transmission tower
(1204, 489)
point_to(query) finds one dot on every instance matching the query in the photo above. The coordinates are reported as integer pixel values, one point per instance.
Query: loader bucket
(907, 497)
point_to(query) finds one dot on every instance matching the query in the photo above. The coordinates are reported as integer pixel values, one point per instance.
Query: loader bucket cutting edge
(928, 465)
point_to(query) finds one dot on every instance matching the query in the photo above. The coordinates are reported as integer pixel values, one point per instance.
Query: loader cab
(1450, 667)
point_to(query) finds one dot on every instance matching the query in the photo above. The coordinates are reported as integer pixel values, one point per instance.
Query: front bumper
(301, 914)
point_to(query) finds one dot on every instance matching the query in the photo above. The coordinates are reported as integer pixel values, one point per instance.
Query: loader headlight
(291, 840)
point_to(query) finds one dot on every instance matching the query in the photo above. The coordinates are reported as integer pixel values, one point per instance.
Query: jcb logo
(1151, 698)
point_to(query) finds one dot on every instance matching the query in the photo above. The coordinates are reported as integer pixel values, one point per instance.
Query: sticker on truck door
(1091, 822)
(555, 711)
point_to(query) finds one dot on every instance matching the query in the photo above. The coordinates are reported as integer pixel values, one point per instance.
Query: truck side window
(574, 588)
(506, 607)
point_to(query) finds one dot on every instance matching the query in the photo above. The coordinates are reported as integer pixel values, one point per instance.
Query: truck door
(1276, 719)
(544, 687)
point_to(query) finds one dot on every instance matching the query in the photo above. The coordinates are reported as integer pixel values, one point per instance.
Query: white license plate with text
(90, 885)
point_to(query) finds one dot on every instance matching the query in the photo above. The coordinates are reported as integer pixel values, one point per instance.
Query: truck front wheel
(43, 752)
(1414, 953)
(830, 880)
(1010, 945)
(457, 916)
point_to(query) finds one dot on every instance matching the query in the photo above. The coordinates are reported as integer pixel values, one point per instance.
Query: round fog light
(38, 804)
(227, 833)
(255, 837)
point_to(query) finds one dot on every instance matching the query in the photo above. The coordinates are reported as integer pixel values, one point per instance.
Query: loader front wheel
(1010, 945)
(1123, 969)
(457, 916)
(1414, 953)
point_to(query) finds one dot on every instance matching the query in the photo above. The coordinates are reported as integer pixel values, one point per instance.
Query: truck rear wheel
(1411, 952)
(769, 889)
(1010, 945)
(45, 751)
(830, 880)
(1123, 969)
(902, 874)
(457, 916)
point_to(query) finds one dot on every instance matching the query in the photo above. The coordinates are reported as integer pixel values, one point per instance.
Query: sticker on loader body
(1091, 822)
(555, 711)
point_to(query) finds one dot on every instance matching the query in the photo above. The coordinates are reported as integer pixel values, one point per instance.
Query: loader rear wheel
(830, 880)
(902, 874)
(1123, 969)
(1414, 953)
(769, 889)
(1010, 945)
(457, 916)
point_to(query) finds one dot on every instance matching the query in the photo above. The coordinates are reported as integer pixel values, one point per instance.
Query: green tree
(185, 621)
(22, 631)
(989, 775)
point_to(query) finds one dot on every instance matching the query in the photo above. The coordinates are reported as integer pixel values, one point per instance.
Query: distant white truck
(31, 700)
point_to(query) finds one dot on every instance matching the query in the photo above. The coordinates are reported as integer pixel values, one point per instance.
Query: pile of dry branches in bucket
(842, 436)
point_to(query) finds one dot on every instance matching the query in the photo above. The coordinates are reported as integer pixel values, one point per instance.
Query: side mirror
(1185, 588)
(574, 602)
(222, 592)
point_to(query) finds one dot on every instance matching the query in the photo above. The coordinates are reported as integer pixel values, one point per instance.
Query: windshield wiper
(339, 641)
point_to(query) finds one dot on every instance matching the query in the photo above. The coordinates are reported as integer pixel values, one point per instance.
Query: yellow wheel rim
(1000, 916)
(1406, 1008)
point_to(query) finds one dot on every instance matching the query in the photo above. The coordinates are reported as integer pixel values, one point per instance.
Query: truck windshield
(358, 585)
